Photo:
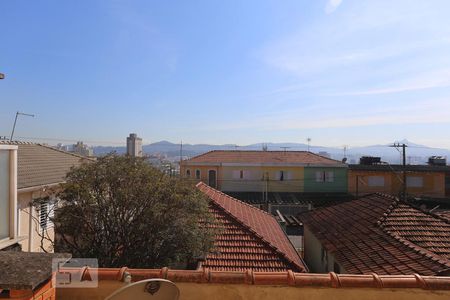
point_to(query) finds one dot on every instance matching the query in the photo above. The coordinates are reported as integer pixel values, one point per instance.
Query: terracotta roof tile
(249, 238)
(378, 234)
(261, 157)
(330, 280)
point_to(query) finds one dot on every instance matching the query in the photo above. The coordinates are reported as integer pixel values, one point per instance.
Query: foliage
(124, 212)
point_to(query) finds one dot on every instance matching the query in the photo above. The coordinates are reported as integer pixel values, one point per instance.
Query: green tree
(124, 212)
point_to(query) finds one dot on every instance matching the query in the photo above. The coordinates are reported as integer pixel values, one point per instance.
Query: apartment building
(267, 171)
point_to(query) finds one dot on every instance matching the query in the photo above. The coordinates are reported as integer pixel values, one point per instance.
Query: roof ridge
(422, 251)
(65, 152)
(427, 212)
(260, 237)
(398, 201)
(202, 184)
(45, 146)
(390, 209)
(264, 151)
(8, 142)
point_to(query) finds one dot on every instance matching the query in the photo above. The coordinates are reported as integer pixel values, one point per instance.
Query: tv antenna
(15, 121)
(285, 148)
(309, 142)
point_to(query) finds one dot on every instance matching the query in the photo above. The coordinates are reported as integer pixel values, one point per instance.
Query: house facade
(39, 172)
(9, 237)
(421, 180)
(267, 171)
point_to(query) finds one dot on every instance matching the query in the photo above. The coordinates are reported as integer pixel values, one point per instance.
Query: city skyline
(339, 72)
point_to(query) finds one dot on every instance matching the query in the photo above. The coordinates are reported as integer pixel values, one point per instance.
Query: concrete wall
(194, 291)
(29, 226)
(316, 262)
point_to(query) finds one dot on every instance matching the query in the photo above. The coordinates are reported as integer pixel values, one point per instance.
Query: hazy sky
(340, 72)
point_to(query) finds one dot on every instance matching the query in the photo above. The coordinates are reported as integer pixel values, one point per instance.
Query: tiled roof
(315, 199)
(263, 157)
(424, 229)
(41, 165)
(352, 232)
(308, 280)
(250, 238)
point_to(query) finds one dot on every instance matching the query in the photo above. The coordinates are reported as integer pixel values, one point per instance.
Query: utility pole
(15, 121)
(404, 188)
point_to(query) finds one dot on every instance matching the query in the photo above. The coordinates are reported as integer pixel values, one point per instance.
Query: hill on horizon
(417, 154)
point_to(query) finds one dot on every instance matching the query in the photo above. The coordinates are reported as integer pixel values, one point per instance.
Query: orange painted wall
(433, 183)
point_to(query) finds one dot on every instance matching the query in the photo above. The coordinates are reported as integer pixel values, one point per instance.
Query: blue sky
(341, 72)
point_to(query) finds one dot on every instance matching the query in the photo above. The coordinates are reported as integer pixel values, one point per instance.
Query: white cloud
(332, 5)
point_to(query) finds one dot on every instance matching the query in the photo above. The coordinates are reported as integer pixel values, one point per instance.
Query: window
(323, 176)
(414, 181)
(241, 174)
(197, 174)
(188, 173)
(283, 175)
(46, 212)
(329, 176)
(375, 181)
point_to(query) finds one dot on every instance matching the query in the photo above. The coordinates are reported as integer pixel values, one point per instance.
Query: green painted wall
(339, 184)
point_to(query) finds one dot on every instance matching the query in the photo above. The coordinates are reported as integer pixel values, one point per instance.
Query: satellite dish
(149, 289)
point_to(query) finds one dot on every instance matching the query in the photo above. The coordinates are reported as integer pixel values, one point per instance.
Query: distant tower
(134, 145)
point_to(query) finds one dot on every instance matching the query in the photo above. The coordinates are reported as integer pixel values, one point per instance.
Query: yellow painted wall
(253, 183)
(195, 291)
(24, 209)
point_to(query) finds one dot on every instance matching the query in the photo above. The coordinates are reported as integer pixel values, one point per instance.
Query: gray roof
(27, 270)
(43, 165)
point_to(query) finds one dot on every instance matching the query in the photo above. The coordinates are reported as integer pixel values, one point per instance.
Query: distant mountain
(415, 153)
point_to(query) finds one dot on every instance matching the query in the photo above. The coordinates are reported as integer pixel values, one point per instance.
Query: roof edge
(289, 278)
(302, 266)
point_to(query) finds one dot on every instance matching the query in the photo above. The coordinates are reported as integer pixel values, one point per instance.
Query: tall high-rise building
(134, 145)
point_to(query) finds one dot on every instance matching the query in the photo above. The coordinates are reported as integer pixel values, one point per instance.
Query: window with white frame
(241, 174)
(324, 176)
(197, 174)
(414, 181)
(46, 213)
(375, 181)
(284, 175)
